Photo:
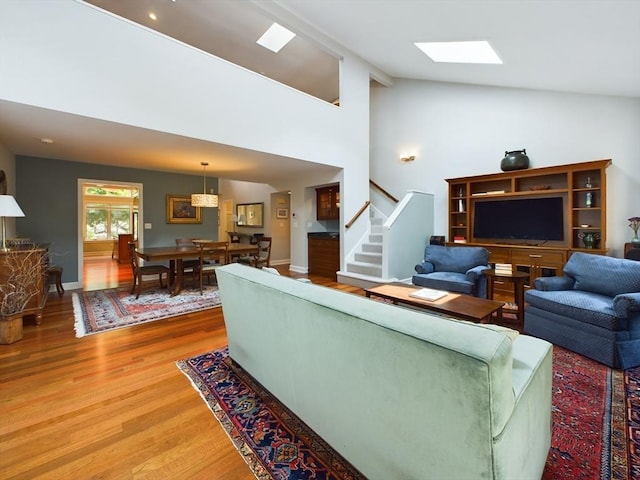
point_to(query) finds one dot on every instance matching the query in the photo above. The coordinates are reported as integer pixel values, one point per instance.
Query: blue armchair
(454, 269)
(594, 309)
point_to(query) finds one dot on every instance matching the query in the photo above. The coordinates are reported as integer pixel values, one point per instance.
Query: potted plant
(19, 270)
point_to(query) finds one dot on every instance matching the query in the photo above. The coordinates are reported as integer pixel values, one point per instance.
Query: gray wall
(47, 192)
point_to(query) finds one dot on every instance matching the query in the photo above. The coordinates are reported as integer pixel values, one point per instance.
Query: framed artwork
(179, 210)
(282, 213)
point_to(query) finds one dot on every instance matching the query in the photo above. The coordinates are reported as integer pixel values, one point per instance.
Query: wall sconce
(405, 158)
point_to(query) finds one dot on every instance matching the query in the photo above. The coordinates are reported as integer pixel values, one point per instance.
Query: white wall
(69, 56)
(458, 130)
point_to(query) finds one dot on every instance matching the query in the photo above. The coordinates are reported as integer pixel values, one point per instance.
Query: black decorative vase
(516, 160)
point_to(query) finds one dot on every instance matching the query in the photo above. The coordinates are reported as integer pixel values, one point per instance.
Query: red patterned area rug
(596, 422)
(99, 311)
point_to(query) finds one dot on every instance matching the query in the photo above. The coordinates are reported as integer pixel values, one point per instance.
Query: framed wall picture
(179, 210)
(282, 213)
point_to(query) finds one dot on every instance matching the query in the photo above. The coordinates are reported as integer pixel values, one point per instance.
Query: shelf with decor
(458, 212)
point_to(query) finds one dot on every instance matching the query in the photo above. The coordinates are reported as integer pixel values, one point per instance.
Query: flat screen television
(519, 219)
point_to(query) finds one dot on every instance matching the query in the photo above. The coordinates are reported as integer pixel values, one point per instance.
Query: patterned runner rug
(596, 422)
(98, 311)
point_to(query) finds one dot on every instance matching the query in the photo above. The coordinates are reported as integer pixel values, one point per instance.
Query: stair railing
(358, 213)
(383, 191)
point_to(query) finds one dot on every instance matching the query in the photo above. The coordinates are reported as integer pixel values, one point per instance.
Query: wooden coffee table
(464, 307)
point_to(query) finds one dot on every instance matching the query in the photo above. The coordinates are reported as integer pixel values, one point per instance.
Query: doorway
(226, 223)
(106, 209)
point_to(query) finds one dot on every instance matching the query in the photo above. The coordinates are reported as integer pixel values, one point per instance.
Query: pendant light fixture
(204, 199)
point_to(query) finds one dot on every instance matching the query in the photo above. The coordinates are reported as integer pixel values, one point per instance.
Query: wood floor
(112, 405)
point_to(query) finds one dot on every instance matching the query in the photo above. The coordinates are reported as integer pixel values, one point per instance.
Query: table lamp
(8, 208)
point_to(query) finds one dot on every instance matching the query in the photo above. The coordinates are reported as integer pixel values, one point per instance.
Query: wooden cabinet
(121, 249)
(538, 262)
(582, 187)
(324, 255)
(328, 203)
(35, 262)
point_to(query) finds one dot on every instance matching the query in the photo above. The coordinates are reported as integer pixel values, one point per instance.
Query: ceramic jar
(589, 239)
(515, 160)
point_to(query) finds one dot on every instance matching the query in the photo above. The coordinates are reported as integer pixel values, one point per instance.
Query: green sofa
(401, 394)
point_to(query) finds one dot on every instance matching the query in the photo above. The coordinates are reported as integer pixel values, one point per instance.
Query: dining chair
(262, 257)
(140, 270)
(213, 255)
(189, 265)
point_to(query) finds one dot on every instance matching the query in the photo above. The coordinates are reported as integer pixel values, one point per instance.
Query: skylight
(275, 37)
(460, 52)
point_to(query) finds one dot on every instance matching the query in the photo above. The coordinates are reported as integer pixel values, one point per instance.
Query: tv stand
(573, 182)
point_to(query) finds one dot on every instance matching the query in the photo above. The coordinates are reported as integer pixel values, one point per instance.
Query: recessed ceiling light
(152, 16)
(46, 140)
(275, 37)
(460, 52)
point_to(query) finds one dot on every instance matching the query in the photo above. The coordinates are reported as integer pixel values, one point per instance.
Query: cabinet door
(539, 263)
(324, 257)
(328, 203)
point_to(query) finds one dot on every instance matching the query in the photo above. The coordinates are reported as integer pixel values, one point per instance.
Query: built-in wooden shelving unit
(572, 182)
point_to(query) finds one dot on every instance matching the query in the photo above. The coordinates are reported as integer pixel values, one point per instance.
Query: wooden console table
(121, 248)
(37, 261)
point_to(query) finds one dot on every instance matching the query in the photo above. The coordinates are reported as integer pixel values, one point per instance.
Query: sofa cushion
(604, 275)
(586, 307)
(455, 259)
(449, 281)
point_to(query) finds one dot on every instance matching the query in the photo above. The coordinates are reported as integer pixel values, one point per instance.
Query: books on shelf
(503, 268)
(457, 239)
(428, 294)
(491, 192)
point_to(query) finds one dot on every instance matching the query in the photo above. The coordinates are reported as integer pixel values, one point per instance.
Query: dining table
(175, 255)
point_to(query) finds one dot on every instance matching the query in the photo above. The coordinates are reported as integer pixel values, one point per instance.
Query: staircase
(365, 270)
(387, 252)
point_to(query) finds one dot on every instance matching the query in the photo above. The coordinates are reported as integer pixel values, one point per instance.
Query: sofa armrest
(625, 303)
(476, 272)
(425, 267)
(553, 283)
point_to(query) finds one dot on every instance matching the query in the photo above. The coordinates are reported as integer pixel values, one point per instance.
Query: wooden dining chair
(262, 258)
(213, 255)
(140, 270)
(189, 265)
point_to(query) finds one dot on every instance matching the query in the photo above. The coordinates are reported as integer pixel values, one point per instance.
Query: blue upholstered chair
(454, 269)
(594, 309)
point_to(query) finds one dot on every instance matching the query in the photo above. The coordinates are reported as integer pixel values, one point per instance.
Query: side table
(628, 247)
(517, 278)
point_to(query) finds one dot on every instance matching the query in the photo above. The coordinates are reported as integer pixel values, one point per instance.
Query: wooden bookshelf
(571, 182)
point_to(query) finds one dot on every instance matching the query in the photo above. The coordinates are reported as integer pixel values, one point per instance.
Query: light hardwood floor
(112, 405)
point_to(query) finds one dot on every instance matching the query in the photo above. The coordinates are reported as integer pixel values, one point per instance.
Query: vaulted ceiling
(591, 47)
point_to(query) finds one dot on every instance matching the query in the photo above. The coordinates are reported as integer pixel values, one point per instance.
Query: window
(106, 222)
